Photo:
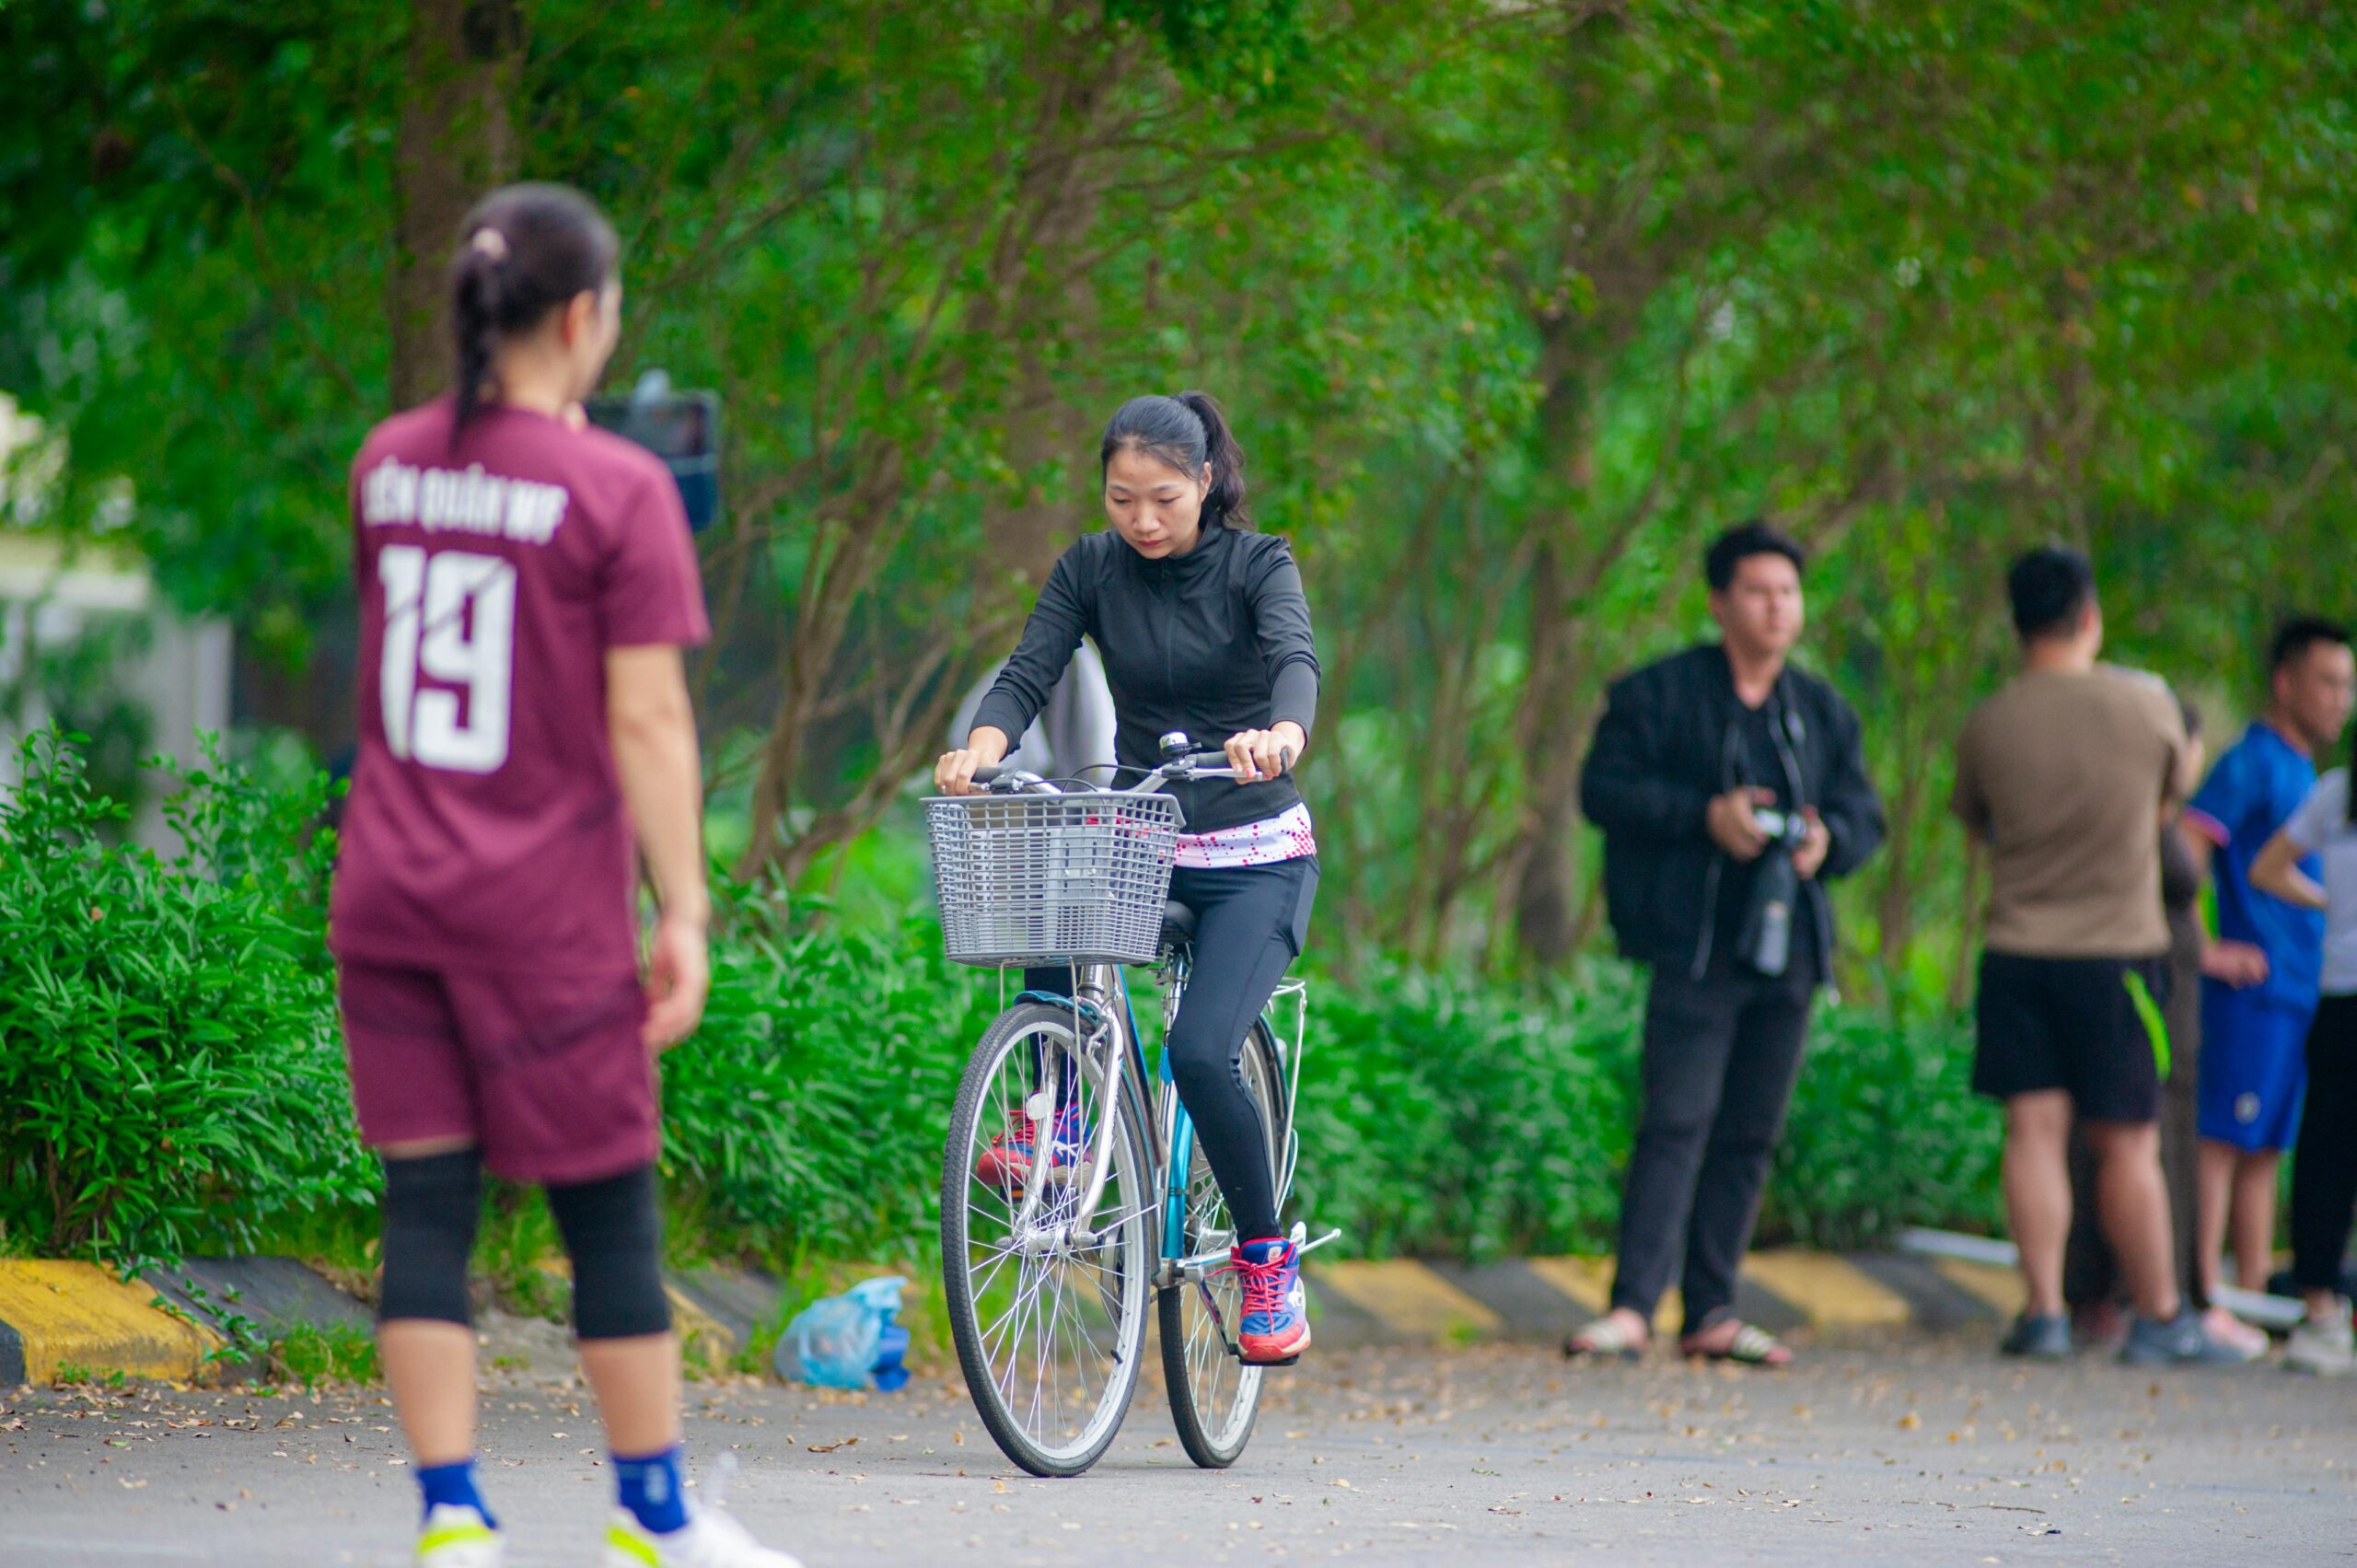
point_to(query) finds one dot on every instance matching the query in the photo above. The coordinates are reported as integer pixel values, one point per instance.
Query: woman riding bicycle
(1204, 629)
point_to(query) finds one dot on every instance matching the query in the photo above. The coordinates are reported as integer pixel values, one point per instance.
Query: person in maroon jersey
(526, 585)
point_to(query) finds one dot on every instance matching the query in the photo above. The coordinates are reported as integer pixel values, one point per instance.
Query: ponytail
(523, 251)
(1225, 458)
(475, 307)
(1190, 432)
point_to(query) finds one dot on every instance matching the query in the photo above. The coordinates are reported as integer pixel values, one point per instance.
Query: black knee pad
(613, 1233)
(432, 1206)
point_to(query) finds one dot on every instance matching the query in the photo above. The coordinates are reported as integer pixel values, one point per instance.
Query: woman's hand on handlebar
(985, 747)
(1258, 754)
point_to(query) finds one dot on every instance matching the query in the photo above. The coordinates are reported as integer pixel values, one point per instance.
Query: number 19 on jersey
(450, 617)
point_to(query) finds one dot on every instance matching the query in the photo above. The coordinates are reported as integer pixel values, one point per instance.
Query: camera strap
(1781, 724)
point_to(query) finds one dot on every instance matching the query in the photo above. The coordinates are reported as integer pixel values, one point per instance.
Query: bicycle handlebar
(1197, 765)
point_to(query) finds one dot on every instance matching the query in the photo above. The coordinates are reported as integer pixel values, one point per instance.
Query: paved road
(1916, 1451)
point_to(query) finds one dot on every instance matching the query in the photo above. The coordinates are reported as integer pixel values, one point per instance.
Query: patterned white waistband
(1264, 842)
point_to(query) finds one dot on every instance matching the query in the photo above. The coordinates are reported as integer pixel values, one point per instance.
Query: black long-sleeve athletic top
(1214, 643)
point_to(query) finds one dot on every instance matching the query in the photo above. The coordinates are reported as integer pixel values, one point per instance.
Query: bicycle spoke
(1052, 1326)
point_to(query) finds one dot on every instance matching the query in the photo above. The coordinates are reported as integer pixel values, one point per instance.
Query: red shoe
(1006, 1164)
(1274, 1328)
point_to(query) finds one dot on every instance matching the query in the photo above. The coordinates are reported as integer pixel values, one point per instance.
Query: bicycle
(1071, 1180)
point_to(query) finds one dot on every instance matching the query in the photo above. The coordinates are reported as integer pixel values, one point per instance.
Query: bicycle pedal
(1288, 1360)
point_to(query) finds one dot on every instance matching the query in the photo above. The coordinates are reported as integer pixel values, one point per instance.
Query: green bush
(1447, 1120)
(807, 1113)
(1885, 1133)
(170, 1075)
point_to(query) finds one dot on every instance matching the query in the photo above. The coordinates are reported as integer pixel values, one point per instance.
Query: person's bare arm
(2199, 845)
(653, 726)
(2277, 871)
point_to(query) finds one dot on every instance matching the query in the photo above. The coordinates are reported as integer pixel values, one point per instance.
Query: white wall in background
(182, 680)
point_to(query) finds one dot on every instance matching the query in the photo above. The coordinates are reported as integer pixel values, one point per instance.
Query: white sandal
(1607, 1336)
(1752, 1346)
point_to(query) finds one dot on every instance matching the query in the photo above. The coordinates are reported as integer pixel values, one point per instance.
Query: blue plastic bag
(843, 1341)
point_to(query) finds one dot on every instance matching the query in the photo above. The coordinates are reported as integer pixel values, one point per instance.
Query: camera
(1766, 940)
(681, 428)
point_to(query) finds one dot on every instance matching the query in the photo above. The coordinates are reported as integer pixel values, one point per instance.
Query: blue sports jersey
(2256, 786)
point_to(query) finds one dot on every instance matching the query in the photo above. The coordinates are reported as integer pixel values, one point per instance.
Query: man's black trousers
(1721, 1056)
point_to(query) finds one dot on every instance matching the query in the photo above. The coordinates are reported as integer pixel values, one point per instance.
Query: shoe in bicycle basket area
(1006, 1162)
(1274, 1328)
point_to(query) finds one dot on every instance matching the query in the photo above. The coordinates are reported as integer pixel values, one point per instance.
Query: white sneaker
(457, 1537)
(2326, 1347)
(712, 1539)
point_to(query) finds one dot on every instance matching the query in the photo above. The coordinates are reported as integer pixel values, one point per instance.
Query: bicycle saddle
(1178, 923)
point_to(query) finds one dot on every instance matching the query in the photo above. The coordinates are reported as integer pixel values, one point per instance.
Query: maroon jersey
(486, 828)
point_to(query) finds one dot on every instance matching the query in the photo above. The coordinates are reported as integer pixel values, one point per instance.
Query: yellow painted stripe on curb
(695, 1326)
(1588, 1280)
(1999, 1286)
(1830, 1291)
(1409, 1297)
(82, 1316)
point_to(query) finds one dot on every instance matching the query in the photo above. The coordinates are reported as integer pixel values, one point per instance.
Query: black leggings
(2324, 1166)
(1249, 922)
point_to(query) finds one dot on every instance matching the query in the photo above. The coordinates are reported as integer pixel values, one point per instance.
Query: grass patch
(312, 1355)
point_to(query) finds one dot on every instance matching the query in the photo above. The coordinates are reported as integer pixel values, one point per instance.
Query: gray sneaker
(2326, 1347)
(2038, 1337)
(2181, 1342)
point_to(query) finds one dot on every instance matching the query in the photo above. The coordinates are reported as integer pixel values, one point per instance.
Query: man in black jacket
(1730, 787)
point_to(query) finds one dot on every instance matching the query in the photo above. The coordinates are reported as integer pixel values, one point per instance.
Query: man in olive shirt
(2066, 776)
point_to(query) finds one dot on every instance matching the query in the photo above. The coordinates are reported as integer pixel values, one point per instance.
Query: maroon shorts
(548, 1075)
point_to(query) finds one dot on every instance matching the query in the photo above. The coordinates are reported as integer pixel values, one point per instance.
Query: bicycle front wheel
(1214, 1397)
(1047, 1302)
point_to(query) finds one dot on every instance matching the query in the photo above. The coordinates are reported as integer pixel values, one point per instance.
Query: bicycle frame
(1095, 991)
(1178, 1129)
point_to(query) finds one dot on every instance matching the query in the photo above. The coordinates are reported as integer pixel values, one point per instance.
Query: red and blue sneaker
(1274, 1328)
(1006, 1162)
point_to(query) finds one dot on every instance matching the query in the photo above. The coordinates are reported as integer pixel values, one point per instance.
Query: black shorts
(2090, 1026)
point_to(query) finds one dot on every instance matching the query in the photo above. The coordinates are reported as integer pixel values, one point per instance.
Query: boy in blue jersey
(2254, 1035)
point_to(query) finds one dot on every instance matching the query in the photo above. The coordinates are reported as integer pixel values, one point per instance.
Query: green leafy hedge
(1450, 1121)
(170, 1077)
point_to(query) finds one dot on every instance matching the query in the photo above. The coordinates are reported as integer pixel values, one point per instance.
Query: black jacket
(1661, 752)
(1214, 643)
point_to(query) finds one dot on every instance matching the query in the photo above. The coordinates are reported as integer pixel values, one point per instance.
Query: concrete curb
(67, 1318)
(61, 1318)
(1403, 1301)
(64, 1319)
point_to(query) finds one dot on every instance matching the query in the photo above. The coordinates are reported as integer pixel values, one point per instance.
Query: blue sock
(653, 1489)
(453, 1484)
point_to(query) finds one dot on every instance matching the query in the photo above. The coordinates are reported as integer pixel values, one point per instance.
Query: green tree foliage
(1514, 304)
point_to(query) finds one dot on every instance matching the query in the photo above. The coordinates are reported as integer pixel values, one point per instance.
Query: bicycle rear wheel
(1048, 1305)
(1214, 1397)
